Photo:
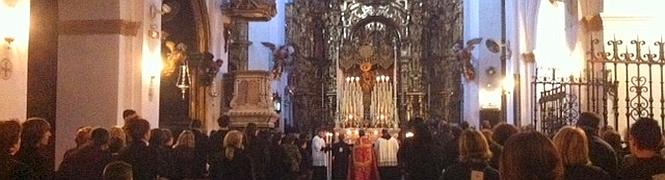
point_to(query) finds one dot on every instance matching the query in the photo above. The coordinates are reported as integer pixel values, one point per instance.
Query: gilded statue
(281, 56)
(176, 55)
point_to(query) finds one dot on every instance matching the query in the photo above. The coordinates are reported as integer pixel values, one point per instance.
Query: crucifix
(5, 69)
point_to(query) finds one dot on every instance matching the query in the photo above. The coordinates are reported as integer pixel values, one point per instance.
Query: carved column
(238, 48)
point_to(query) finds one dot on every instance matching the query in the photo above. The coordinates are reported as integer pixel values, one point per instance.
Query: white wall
(100, 75)
(16, 24)
(217, 21)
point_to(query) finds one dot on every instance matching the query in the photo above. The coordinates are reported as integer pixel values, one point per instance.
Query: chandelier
(184, 78)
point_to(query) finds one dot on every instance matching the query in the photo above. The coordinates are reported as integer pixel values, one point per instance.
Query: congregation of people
(421, 150)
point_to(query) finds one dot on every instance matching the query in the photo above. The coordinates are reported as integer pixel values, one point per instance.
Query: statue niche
(369, 60)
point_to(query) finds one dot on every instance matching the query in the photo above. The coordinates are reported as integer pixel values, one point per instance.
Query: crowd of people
(419, 151)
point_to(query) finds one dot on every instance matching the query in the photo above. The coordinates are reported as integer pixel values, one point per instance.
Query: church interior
(299, 65)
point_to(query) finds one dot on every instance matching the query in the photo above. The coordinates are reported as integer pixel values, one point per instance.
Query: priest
(363, 160)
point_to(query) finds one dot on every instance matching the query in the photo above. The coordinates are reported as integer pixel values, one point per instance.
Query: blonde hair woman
(185, 156)
(118, 140)
(474, 157)
(232, 162)
(573, 147)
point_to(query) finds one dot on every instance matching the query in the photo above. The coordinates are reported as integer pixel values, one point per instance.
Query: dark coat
(86, 163)
(463, 171)
(583, 172)
(38, 159)
(602, 155)
(280, 164)
(423, 161)
(146, 164)
(184, 161)
(341, 152)
(216, 142)
(240, 167)
(641, 168)
(202, 149)
(166, 154)
(11, 169)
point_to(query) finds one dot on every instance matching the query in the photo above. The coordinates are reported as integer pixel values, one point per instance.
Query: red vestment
(363, 161)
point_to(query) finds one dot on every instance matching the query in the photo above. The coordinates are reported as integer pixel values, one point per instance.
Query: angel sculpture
(280, 56)
(176, 56)
(464, 55)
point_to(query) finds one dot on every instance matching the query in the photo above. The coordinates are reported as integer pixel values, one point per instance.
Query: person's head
(485, 124)
(138, 129)
(289, 139)
(100, 136)
(613, 138)
(185, 139)
(473, 147)
(422, 134)
(129, 114)
(118, 139)
(118, 170)
(341, 137)
(385, 133)
(35, 133)
(361, 132)
(276, 139)
(488, 135)
(167, 137)
(572, 145)
(156, 137)
(644, 135)
(232, 141)
(589, 121)
(10, 133)
(530, 155)
(464, 125)
(195, 124)
(321, 132)
(83, 135)
(223, 121)
(502, 132)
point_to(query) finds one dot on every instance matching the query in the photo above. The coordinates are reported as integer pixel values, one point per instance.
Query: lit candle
(378, 78)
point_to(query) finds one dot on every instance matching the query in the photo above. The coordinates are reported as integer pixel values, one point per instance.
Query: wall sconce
(153, 67)
(9, 41)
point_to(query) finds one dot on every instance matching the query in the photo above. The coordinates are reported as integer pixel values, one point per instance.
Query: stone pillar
(107, 62)
(252, 100)
(238, 53)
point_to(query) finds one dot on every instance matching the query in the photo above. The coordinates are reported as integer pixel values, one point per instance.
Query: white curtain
(527, 17)
(528, 20)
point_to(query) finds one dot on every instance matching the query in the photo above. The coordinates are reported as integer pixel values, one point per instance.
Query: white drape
(528, 21)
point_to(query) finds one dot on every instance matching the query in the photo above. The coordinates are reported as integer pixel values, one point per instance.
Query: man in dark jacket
(145, 161)
(217, 136)
(341, 152)
(601, 153)
(90, 160)
(202, 148)
(10, 132)
(644, 142)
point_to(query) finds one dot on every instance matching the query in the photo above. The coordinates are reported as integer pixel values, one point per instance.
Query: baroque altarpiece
(374, 63)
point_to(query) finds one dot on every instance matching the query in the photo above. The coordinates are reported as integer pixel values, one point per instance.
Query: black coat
(462, 171)
(86, 163)
(602, 155)
(146, 163)
(583, 172)
(341, 152)
(423, 160)
(240, 167)
(11, 169)
(642, 168)
(38, 159)
(216, 141)
(184, 163)
(202, 149)
(280, 164)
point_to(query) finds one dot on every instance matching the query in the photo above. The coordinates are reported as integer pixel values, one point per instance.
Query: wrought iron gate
(622, 85)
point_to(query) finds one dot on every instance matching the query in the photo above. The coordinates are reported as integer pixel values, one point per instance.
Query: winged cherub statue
(280, 56)
(464, 54)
